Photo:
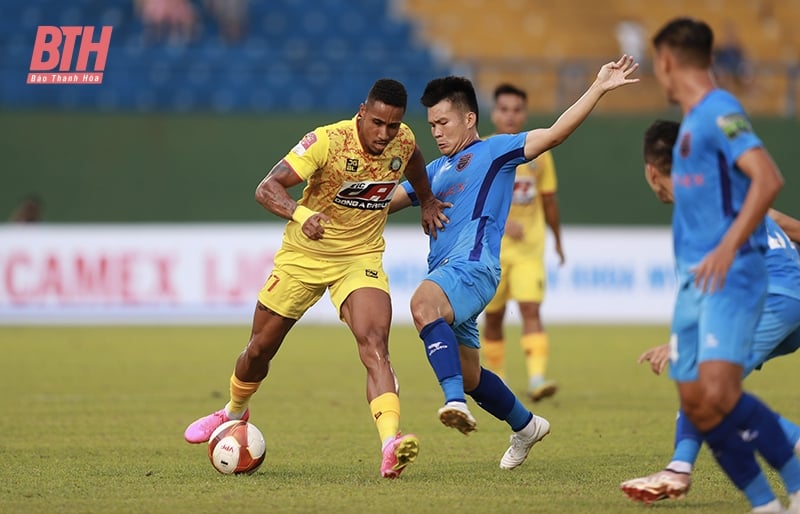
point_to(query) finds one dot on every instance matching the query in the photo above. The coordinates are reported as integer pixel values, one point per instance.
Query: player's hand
(433, 216)
(314, 227)
(658, 358)
(560, 251)
(615, 74)
(515, 230)
(710, 274)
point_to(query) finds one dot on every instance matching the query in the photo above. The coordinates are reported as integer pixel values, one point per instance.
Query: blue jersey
(479, 182)
(783, 262)
(709, 188)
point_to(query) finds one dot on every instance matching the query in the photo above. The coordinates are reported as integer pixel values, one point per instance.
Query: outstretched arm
(611, 76)
(272, 193)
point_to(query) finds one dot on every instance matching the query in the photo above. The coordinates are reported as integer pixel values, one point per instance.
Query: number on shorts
(272, 281)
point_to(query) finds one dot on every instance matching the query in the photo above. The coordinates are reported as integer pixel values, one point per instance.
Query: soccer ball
(236, 447)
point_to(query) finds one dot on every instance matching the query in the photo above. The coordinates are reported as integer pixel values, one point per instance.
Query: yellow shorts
(522, 280)
(298, 281)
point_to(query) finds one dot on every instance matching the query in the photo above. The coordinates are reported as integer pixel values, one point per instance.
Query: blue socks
(687, 440)
(737, 456)
(752, 426)
(441, 348)
(771, 441)
(791, 430)
(494, 396)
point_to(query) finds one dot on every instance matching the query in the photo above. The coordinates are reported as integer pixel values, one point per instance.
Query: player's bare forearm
(765, 183)
(272, 193)
(552, 217)
(431, 208)
(787, 223)
(418, 177)
(400, 200)
(541, 140)
(611, 76)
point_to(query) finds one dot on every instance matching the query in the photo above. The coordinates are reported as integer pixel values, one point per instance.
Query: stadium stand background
(185, 132)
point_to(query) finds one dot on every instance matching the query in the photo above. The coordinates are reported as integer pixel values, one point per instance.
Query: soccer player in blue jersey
(477, 177)
(777, 333)
(724, 182)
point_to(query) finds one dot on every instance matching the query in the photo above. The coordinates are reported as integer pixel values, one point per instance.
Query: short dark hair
(509, 89)
(659, 139)
(458, 90)
(691, 40)
(388, 91)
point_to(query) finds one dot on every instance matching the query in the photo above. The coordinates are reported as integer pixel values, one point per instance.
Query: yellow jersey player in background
(334, 241)
(523, 279)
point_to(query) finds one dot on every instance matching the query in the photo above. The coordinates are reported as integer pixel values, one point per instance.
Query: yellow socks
(494, 354)
(240, 396)
(386, 413)
(535, 346)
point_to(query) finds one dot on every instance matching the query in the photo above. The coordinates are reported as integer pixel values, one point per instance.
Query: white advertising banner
(211, 273)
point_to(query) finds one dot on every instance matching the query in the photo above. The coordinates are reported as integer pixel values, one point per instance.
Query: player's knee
(530, 311)
(421, 312)
(261, 347)
(373, 345)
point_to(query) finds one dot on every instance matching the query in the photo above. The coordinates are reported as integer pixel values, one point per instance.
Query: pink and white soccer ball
(236, 447)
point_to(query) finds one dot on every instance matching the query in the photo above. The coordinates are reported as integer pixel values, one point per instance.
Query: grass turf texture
(93, 421)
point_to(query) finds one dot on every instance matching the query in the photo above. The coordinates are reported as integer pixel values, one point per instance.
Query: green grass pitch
(92, 422)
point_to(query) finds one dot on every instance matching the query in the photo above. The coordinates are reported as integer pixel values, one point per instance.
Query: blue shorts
(778, 331)
(469, 286)
(718, 326)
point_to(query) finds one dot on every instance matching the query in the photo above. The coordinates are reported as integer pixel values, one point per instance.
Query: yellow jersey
(350, 185)
(532, 180)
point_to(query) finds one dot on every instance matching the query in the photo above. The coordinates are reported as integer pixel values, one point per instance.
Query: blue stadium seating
(297, 56)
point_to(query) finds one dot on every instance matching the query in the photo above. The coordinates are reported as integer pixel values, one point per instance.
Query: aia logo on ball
(686, 145)
(463, 162)
(54, 51)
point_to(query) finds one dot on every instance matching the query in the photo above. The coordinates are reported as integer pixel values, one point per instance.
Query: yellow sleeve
(547, 183)
(310, 154)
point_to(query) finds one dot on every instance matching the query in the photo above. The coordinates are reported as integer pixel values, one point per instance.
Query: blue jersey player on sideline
(477, 177)
(724, 182)
(777, 332)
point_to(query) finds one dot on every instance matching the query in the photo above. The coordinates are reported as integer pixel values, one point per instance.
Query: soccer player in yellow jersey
(334, 241)
(522, 251)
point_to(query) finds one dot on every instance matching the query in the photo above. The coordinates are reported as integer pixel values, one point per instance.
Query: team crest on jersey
(351, 165)
(368, 196)
(463, 162)
(395, 163)
(304, 144)
(733, 125)
(686, 145)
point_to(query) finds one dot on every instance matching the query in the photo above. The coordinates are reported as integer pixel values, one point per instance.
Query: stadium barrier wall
(211, 274)
(128, 168)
